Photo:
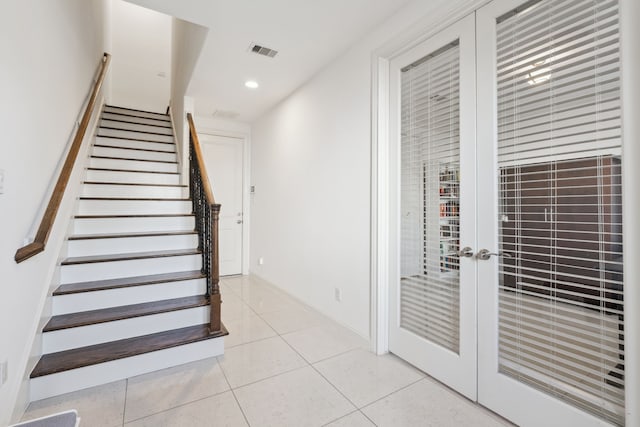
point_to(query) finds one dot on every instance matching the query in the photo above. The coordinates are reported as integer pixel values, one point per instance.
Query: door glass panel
(559, 147)
(430, 203)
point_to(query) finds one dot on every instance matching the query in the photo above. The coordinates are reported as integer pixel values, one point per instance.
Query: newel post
(214, 262)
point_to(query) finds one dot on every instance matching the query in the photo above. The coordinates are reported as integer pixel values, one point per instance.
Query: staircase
(132, 297)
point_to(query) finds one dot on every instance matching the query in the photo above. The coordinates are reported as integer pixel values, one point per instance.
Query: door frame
(381, 192)
(245, 137)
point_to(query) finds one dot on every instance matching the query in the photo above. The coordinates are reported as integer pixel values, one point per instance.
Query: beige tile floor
(284, 365)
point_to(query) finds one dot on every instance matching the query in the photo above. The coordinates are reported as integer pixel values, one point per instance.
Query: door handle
(465, 252)
(485, 254)
(239, 221)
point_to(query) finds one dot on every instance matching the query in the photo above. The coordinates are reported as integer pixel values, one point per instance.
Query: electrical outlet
(260, 261)
(4, 367)
(337, 294)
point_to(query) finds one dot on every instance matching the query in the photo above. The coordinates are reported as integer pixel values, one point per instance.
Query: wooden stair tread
(135, 123)
(146, 199)
(137, 110)
(148, 150)
(135, 139)
(94, 317)
(133, 160)
(101, 285)
(85, 356)
(135, 130)
(134, 115)
(132, 234)
(131, 170)
(143, 184)
(128, 256)
(132, 216)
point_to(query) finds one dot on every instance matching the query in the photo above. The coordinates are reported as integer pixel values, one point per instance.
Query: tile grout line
(393, 392)
(357, 409)
(337, 355)
(322, 376)
(252, 342)
(178, 406)
(124, 408)
(345, 416)
(268, 378)
(233, 393)
(186, 403)
(367, 417)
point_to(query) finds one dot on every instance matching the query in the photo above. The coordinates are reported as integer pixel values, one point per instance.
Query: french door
(550, 317)
(506, 154)
(433, 304)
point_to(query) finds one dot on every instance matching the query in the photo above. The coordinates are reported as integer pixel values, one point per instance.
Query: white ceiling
(308, 34)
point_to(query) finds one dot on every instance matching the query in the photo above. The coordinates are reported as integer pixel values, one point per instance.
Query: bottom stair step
(100, 353)
(77, 369)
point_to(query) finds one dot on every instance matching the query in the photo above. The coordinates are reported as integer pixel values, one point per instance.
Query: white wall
(187, 40)
(141, 43)
(50, 52)
(311, 168)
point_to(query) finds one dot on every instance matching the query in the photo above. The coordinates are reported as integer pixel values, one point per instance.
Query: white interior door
(432, 322)
(223, 159)
(550, 313)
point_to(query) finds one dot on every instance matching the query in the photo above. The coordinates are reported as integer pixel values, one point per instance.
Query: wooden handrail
(200, 159)
(207, 213)
(50, 213)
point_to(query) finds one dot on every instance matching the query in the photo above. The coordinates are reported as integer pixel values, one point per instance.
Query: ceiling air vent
(261, 50)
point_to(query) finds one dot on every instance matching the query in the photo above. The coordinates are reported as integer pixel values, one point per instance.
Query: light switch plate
(1, 181)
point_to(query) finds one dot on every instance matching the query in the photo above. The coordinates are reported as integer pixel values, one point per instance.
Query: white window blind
(430, 204)
(559, 145)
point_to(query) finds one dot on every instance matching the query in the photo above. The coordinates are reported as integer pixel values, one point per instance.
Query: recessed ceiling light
(251, 84)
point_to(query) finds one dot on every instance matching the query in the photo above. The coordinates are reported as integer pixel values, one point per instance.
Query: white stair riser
(89, 247)
(67, 339)
(85, 301)
(133, 154)
(133, 177)
(136, 165)
(110, 109)
(133, 207)
(90, 376)
(129, 143)
(134, 135)
(133, 117)
(130, 268)
(131, 225)
(133, 191)
(135, 126)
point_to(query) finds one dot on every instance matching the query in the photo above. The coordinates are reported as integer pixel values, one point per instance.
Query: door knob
(239, 221)
(465, 252)
(485, 254)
